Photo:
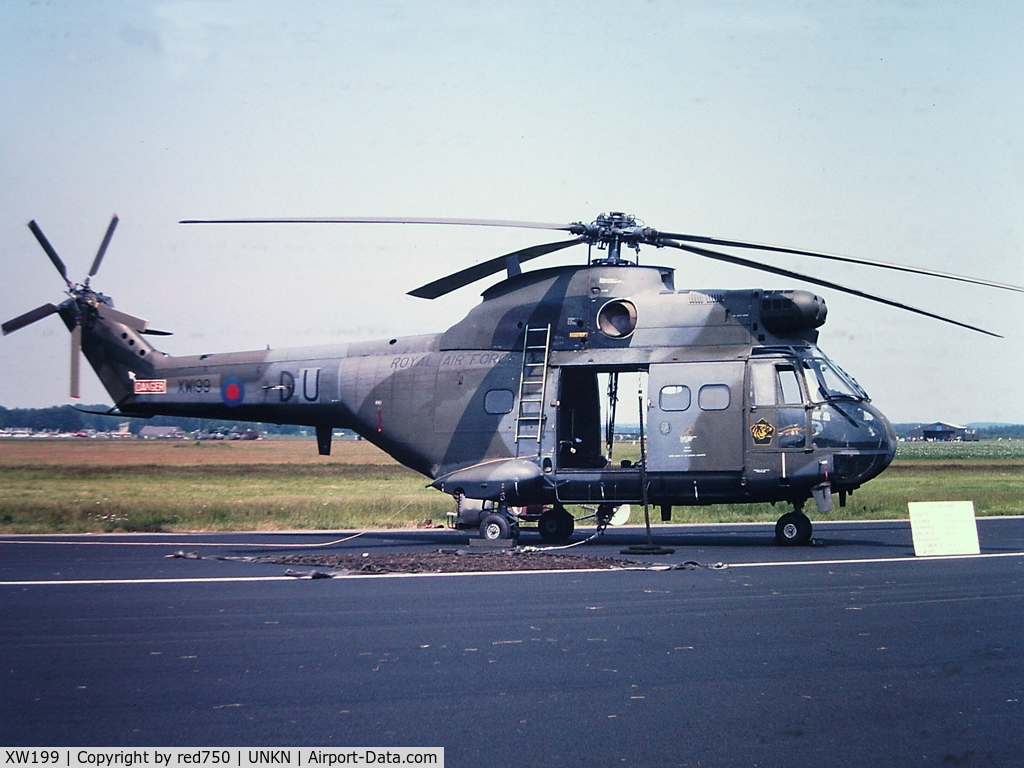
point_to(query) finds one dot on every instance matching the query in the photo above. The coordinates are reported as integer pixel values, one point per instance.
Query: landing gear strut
(794, 528)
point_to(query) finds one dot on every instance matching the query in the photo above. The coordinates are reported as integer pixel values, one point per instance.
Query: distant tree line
(65, 418)
(1004, 431)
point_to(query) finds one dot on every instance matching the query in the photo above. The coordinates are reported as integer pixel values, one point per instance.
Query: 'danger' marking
(151, 386)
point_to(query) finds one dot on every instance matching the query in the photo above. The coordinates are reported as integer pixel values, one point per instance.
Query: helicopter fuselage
(515, 406)
(511, 404)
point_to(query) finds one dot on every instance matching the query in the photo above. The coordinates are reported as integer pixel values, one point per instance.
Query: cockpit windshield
(827, 381)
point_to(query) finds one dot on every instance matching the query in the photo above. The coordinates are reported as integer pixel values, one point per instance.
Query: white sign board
(944, 528)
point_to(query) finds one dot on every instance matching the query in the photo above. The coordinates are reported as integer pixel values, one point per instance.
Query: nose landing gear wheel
(793, 529)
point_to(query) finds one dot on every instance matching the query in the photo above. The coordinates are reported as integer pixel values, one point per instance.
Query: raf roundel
(232, 391)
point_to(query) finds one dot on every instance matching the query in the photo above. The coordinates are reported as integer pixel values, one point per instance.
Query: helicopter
(512, 410)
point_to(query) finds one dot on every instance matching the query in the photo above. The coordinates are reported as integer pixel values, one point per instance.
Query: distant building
(941, 432)
(162, 433)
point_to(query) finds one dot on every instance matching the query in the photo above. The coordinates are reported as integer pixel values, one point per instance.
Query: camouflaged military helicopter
(512, 410)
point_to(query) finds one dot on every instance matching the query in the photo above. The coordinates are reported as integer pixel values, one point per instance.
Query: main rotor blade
(103, 247)
(487, 268)
(390, 220)
(109, 313)
(49, 251)
(28, 318)
(76, 358)
(838, 257)
(717, 256)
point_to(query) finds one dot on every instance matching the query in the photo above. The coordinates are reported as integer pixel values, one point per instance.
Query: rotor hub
(613, 230)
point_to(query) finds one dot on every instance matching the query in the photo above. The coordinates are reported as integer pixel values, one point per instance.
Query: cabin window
(675, 397)
(499, 401)
(713, 397)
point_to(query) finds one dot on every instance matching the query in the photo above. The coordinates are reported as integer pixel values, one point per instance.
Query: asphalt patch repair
(457, 561)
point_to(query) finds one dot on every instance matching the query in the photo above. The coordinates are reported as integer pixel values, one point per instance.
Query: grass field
(92, 486)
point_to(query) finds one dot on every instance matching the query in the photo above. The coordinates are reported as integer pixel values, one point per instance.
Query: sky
(888, 130)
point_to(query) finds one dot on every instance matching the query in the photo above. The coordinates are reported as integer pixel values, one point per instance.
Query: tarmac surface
(730, 651)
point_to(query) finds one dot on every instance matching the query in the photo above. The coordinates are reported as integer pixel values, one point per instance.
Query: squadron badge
(762, 432)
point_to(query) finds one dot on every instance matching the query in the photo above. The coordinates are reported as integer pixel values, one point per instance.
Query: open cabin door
(580, 443)
(585, 471)
(695, 417)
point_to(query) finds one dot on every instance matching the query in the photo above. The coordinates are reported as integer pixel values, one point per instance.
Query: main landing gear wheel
(793, 529)
(494, 527)
(556, 525)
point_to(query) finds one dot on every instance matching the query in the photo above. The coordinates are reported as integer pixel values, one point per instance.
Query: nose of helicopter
(860, 438)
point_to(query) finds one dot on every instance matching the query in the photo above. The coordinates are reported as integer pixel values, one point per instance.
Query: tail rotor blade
(50, 251)
(28, 318)
(103, 247)
(76, 358)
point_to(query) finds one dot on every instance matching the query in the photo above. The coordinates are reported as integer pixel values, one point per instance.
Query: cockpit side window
(789, 385)
(775, 384)
(762, 384)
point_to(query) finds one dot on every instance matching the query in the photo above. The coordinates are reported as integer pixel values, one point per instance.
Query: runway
(846, 652)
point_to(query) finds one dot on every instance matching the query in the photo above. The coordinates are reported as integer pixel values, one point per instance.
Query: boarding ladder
(533, 383)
